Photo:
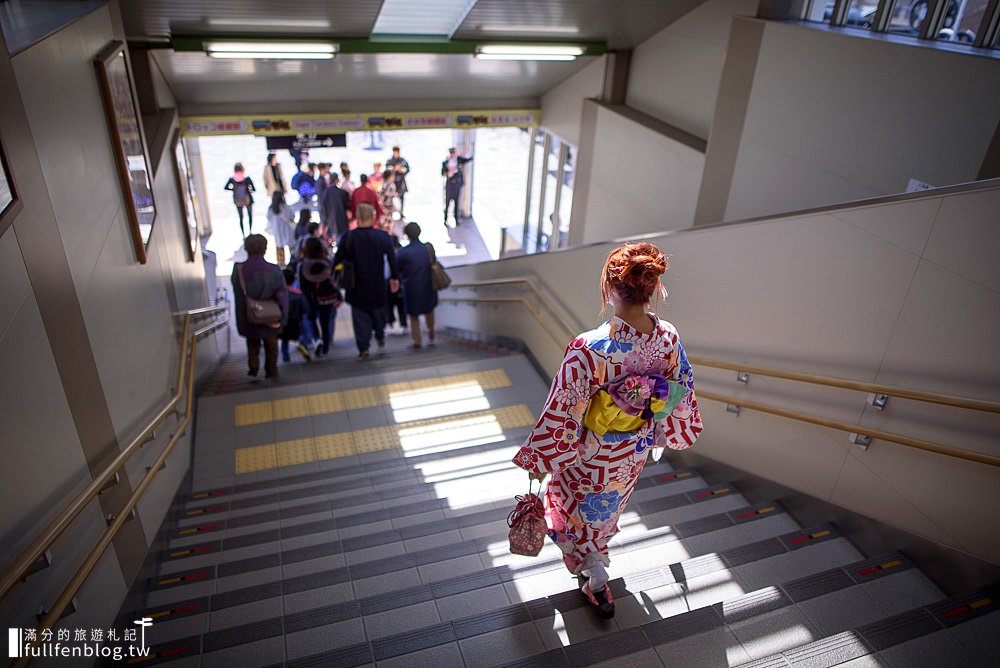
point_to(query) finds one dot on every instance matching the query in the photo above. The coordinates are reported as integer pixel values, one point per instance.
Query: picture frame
(186, 192)
(10, 203)
(128, 143)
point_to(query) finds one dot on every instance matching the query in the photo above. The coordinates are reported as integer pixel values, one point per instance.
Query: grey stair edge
(219, 545)
(259, 562)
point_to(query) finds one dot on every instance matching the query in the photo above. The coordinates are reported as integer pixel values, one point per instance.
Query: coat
(368, 248)
(264, 281)
(365, 195)
(333, 207)
(454, 182)
(419, 295)
(271, 184)
(401, 174)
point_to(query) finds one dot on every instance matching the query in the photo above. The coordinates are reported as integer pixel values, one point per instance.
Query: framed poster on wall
(186, 191)
(9, 203)
(128, 143)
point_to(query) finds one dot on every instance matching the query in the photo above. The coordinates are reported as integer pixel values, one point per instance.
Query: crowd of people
(339, 243)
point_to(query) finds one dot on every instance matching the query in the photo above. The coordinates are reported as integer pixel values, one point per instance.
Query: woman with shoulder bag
(259, 287)
(623, 393)
(321, 293)
(419, 296)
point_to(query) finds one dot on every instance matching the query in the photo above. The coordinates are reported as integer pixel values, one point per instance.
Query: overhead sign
(304, 141)
(285, 125)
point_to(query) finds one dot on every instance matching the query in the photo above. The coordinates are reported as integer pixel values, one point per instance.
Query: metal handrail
(510, 300)
(18, 570)
(855, 429)
(54, 614)
(546, 302)
(960, 402)
(875, 388)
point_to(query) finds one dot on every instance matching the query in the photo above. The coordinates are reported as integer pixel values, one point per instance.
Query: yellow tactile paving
(261, 412)
(256, 458)
(299, 451)
(333, 446)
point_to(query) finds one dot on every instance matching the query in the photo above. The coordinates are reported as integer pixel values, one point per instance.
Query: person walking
(259, 279)
(334, 206)
(624, 392)
(243, 189)
(451, 170)
(386, 197)
(346, 183)
(281, 225)
(400, 168)
(321, 293)
(419, 296)
(274, 178)
(368, 249)
(364, 194)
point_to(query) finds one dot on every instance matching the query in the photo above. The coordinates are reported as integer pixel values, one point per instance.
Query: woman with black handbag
(261, 305)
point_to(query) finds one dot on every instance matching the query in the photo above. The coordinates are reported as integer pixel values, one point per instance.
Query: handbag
(258, 311)
(347, 278)
(527, 525)
(439, 277)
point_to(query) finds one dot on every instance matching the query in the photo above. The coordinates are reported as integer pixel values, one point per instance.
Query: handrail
(919, 444)
(876, 388)
(54, 614)
(17, 570)
(534, 288)
(855, 429)
(510, 300)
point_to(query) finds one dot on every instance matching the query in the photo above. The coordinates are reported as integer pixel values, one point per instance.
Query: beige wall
(835, 118)
(675, 73)
(563, 105)
(640, 176)
(905, 293)
(89, 336)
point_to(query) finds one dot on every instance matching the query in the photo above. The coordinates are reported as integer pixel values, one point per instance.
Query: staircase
(375, 534)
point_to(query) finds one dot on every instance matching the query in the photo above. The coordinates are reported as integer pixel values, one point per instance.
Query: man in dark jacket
(451, 170)
(264, 281)
(368, 249)
(334, 207)
(401, 168)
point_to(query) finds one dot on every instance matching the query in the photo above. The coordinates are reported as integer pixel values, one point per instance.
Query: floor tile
(932, 651)
(499, 647)
(472, 602)
(245, 614)
(713, 648)
(774, 632)
(250, 655)
(324, 638)
(573, 626)
(841, 610)
(391, 622)
(442, 656)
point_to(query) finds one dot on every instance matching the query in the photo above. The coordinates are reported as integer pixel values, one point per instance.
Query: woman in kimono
(624, 391)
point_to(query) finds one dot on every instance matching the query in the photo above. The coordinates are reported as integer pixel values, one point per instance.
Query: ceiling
(199, 81)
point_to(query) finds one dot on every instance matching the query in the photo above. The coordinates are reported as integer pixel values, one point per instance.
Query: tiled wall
(89, 337)
(905, 293)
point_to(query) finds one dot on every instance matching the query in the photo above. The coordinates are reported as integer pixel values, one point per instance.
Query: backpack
(319, 273)
(241, 193)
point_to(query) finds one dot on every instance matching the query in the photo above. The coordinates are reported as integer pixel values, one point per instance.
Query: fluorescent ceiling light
(271, 23)
(437, 18)
(530, 50)
(269, 55)
(270, 47)
(521, 56)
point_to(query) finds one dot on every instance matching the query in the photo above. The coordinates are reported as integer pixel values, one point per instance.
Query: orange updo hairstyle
(632, 272)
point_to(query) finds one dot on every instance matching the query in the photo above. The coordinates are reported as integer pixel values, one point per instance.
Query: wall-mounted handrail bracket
(150, 437)
(111, 483)
(40, 564)
(743, 377)
(67, 611)
(861, 440)
(878, 401)
(149, 467)
(733, 408)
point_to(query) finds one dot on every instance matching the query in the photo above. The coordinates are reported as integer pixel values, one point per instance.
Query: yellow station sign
(264, 125)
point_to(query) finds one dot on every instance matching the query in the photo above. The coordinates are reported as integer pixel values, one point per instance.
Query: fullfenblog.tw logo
(110, 643)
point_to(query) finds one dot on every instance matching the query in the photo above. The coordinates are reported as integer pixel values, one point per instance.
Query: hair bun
(634, 271)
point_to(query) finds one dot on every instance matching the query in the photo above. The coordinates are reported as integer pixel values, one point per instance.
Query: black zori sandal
(601, 599)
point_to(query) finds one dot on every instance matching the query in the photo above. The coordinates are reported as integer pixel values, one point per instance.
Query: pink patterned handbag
(527, 525)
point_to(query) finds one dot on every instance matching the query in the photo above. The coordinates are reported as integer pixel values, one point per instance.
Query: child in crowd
(297, 310)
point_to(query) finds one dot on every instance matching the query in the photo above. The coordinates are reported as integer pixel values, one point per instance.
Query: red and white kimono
(592, 476)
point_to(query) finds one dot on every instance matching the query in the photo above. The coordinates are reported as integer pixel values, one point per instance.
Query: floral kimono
(593, 476)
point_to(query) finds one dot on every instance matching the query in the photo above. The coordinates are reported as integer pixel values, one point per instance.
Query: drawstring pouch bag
(527, 525)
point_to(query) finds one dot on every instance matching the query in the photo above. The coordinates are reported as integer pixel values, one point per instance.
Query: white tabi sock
(598, 577)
